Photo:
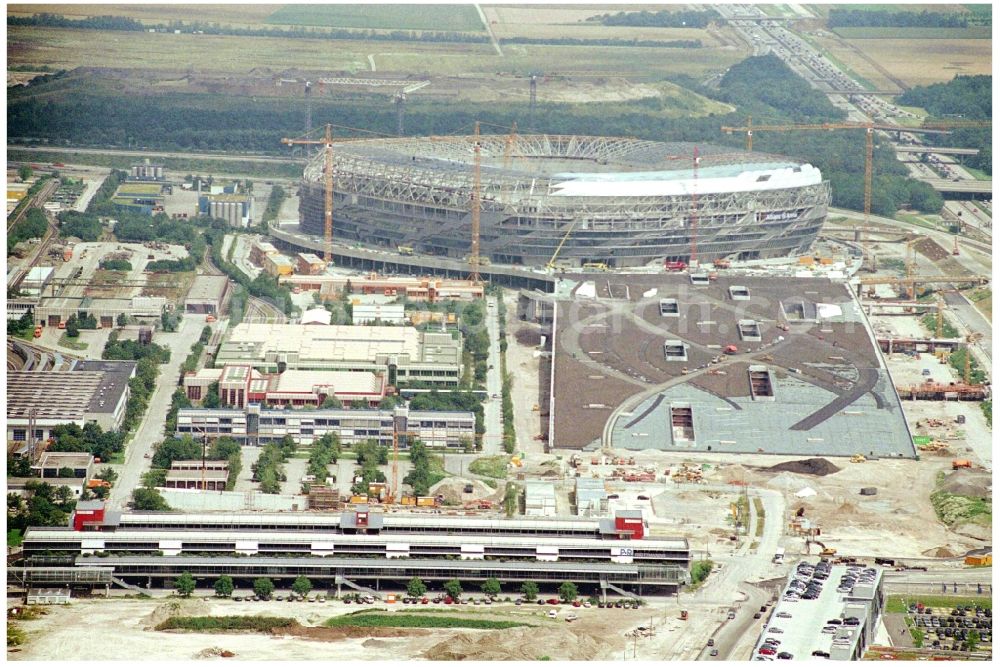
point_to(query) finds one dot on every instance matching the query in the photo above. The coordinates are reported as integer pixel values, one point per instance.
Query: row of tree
(32, 226)
(290, 32)
(263, 587)
(662, 19)
(861, 18)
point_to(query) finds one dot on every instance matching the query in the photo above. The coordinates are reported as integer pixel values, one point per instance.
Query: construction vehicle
(722, 263)
(478, 505)
(405, 250)
(961, 463)
(731, 349)
(827, 551)
(858, 458)
(599, 266)
(675, 266)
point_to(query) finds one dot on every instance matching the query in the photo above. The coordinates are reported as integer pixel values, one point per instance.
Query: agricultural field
(972, 32)
(886, 63)
(246, 15)
(61, 48)
(64, 48)
(449, 18)
(920, 62)
(569, 21)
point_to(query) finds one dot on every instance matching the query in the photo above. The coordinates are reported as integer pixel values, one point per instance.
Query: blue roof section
(718, 171)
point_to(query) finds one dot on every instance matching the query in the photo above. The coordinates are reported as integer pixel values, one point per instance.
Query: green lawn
(897, 604)
(978, 173)
(448, 18)
(490, 466)
(14, 537)
(398, 620)
(72, 343)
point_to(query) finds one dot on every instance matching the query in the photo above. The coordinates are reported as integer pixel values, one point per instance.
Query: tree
(700, 571)
(972, 640)
(568, 591)
(415, 587)
(211, 399)
(108, 475)
(301, 585)
(453, 588)
(491, 587)
(72, 327)
(529, 590)
(25, 172)
(149, 500)
(66, 473)
(263, 587)
(185, 584)
(224, 586)
(331, 402)
(122, 319)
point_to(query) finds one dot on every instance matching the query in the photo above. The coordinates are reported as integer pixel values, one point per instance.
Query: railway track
(260, 311)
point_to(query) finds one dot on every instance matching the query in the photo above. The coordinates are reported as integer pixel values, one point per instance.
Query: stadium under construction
(620, 202)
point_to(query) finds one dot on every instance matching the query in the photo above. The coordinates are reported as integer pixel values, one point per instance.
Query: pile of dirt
(940, 552)
(817, 467)
(173, 608)
(516, 644)
(337, 634)
(213, 652)
(971, 483)
(976, 531)
(453, 490)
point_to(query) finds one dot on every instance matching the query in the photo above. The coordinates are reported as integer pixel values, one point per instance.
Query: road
(160, 154)
(730, 586)
(150, 430)
(492, 413)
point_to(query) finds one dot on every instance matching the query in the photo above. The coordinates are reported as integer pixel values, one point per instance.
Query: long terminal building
(357, 547)
(618, 201)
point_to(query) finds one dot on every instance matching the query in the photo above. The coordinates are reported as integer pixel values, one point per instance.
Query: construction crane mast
(400, 105)
(476, 205)
(394, 474)
(869, 150)
(694, 210)
(327, 143)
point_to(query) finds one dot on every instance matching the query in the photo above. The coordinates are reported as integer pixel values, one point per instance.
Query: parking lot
(949, 628)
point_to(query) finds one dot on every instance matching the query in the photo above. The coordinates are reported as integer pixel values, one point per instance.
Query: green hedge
(397, 620)
(225, 623)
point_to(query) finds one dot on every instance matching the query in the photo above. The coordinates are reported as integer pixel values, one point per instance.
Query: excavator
(825, 550)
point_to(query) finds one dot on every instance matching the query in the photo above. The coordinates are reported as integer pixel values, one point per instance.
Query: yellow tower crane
(327, 143)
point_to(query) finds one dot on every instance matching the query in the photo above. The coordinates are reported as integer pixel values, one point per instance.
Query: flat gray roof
(802, 633)
(207, 288)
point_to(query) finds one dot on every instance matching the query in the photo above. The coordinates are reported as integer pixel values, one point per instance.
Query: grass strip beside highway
(397, 620)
